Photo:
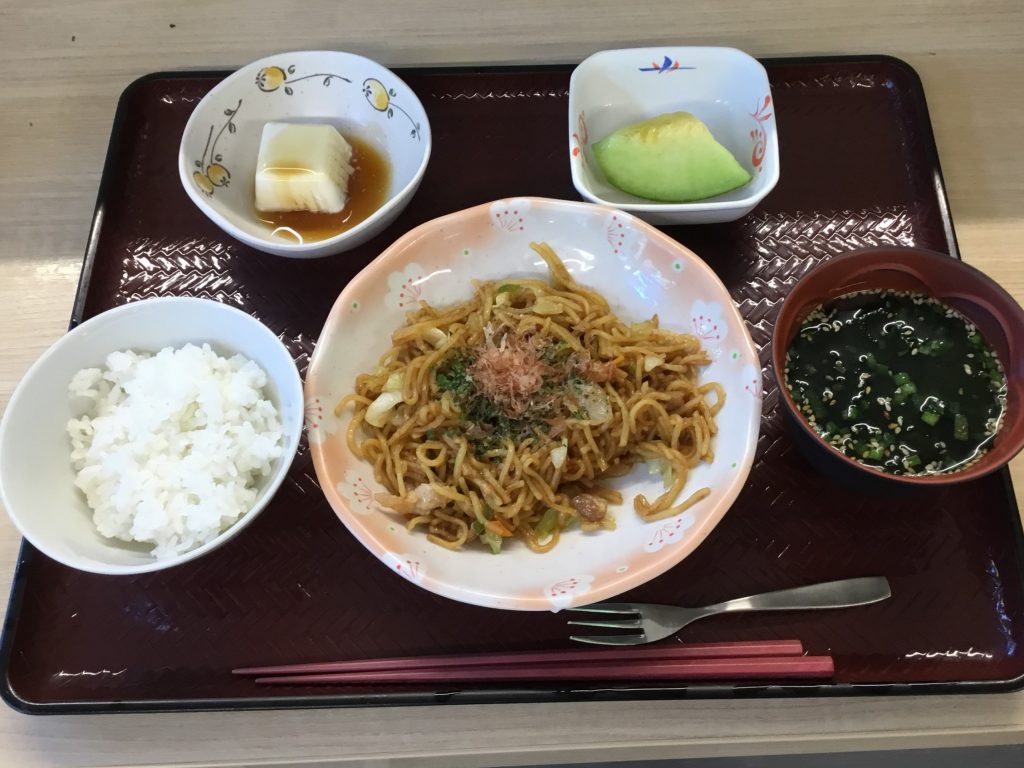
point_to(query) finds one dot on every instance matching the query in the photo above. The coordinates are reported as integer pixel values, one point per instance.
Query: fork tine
(610, 639)
(623, 624)
(606, 608)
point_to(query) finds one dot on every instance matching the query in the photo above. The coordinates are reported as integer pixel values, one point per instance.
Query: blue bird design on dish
(667, 65)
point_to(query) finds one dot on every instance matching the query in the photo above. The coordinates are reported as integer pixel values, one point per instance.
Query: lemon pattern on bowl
(382, 99)
(270, 79)
(216, 174)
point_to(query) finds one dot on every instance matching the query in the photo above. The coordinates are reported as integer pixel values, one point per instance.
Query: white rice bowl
(38, 488)
(171, 448)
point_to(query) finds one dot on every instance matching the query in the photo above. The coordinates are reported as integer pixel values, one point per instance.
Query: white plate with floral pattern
(640, 271)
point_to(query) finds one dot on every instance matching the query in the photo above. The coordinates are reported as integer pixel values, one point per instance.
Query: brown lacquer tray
(859, 168)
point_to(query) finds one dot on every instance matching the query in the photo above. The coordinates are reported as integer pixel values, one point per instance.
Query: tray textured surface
(859, 169)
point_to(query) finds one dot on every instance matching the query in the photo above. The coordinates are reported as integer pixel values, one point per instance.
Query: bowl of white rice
(149, 435)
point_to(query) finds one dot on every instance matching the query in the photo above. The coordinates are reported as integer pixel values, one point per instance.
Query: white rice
(172, 447)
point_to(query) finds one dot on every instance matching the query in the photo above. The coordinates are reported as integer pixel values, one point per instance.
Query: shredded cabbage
(559, 454)
(661, 467)
(379, 412)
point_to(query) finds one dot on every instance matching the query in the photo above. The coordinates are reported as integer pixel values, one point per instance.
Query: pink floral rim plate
(640, 271)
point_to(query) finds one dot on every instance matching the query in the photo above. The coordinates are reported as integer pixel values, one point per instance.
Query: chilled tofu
(302, 167)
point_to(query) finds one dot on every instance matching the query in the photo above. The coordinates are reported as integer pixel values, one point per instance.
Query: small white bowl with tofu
(305, 154)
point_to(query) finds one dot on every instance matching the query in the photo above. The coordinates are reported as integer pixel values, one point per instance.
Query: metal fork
(658, 621)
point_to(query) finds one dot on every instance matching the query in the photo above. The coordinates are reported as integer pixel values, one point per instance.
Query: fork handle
(845, 593)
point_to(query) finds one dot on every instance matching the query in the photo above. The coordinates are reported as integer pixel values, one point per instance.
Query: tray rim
(505, 695)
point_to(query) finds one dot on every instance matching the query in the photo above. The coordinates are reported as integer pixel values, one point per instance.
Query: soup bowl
(959, 286)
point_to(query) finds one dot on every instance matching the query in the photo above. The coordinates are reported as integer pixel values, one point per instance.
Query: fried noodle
(500, 417)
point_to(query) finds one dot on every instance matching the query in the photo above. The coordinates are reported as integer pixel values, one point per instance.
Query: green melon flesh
(671, 158)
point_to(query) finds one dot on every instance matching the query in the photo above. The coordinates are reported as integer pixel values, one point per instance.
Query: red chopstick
(769, 667)
(751, 649)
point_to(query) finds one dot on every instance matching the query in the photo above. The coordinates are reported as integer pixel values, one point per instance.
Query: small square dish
(725, 88)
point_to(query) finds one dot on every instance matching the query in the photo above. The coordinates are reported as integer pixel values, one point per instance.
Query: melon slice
(672, 158)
